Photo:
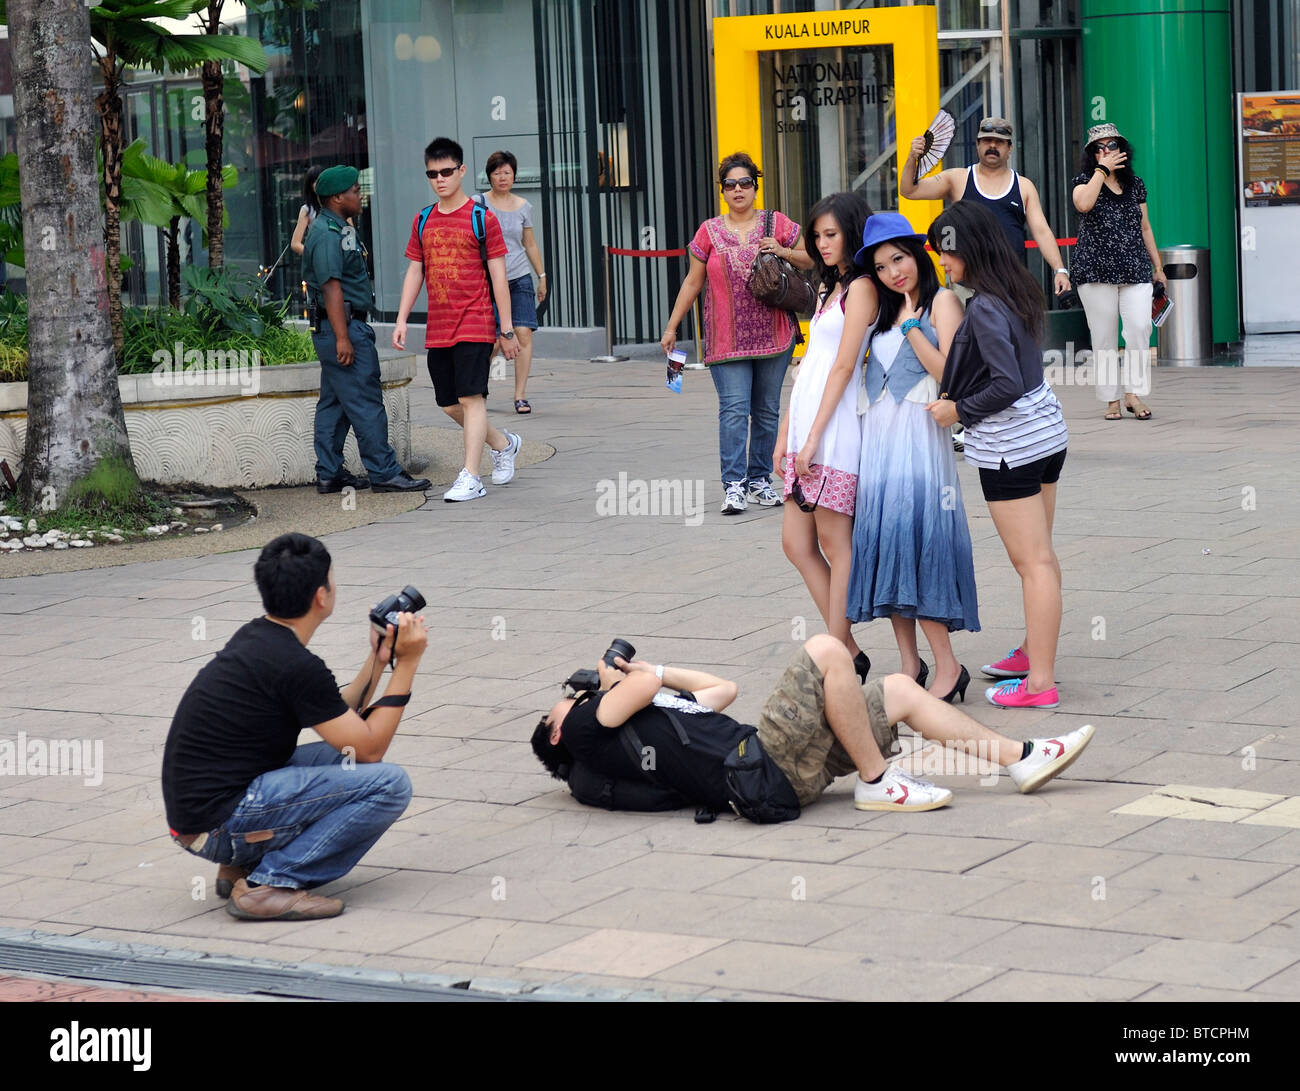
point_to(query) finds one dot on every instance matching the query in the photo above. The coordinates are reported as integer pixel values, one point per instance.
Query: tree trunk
(214, 129)
(74, 410)
(174, 264)
(109, 105)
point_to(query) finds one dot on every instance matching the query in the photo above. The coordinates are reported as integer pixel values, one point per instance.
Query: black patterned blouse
(1110, 248)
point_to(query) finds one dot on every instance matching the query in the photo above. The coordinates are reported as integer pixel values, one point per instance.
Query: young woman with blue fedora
(912, 558)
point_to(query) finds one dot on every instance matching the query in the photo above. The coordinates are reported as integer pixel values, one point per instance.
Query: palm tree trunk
(214, 129)
(109, 104)
(74, 410)
(174, 264)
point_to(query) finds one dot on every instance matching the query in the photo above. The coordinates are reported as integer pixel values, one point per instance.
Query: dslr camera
(589, 680)
(384, 613)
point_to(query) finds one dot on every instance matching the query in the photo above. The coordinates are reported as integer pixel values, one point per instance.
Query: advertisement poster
(1270, 130)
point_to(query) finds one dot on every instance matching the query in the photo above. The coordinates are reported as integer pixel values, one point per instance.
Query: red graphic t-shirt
(460, 298)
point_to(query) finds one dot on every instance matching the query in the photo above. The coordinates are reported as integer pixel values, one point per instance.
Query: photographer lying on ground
(276, 817)
(632, 747)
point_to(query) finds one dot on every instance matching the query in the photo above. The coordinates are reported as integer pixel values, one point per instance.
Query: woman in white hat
(1114, 268)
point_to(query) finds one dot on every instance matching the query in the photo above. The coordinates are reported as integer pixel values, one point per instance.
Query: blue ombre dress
(911, 544)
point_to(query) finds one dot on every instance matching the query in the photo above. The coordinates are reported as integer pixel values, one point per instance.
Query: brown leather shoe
(227, 876)
(279, 903)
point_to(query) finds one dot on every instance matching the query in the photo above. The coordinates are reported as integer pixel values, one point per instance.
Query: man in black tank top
(1010, 196)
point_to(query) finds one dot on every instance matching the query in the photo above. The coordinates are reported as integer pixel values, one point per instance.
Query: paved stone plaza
(1164, 865)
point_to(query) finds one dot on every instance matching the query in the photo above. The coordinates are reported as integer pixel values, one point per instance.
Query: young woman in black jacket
(1015, 432)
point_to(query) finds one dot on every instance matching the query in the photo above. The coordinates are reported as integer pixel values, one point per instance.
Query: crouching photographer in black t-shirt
(630, 745)
(276, 817)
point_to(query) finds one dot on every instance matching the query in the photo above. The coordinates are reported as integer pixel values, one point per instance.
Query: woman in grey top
(522, 258)
(1015, 432)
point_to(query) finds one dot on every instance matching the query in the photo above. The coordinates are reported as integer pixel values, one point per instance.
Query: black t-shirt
(695, 771)
(1111, 249)
(240, 718)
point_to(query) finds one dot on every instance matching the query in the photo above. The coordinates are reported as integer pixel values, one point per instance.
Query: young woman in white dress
(820, 439)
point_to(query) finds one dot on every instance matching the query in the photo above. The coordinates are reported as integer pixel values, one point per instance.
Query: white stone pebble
(200, 530)
(31, 526)
(81, 543)
(217, 526)
(35, 541)
(60, 545)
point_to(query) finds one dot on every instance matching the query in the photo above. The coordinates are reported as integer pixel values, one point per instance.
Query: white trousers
(1105, 305)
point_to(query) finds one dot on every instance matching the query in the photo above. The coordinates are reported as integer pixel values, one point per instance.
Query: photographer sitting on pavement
(276, 817)
(815, 726)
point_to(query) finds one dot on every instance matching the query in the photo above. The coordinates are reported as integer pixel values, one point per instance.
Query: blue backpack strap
(478, 221)
(419, 229)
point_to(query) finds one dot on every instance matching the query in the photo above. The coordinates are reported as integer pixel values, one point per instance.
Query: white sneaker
(503, 462)
(762, 494)
(734, 502)
(896, 791)
(1049, 757)
(467, 487)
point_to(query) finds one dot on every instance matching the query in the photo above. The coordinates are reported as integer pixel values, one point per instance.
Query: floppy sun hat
(882, 227)
(1101, 132)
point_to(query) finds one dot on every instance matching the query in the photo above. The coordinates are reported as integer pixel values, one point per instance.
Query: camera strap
(395, 700)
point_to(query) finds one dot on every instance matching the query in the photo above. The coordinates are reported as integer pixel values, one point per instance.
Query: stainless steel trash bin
(1187, 337)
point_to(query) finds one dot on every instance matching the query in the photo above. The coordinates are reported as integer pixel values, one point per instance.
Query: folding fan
(937, 138)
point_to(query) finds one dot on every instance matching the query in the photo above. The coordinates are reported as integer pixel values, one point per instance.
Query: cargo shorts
(796, 736)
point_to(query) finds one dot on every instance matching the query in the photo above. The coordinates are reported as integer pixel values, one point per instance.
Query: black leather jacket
(992, 362)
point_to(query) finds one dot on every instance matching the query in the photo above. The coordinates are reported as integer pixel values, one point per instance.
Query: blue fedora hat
(882, 227)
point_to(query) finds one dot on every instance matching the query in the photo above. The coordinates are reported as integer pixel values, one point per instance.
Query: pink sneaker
(1014, 693)
(1014, 665)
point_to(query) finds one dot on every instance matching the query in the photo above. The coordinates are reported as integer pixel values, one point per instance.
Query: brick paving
(1179, 541)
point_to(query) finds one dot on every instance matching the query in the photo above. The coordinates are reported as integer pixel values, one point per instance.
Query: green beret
(336, 180)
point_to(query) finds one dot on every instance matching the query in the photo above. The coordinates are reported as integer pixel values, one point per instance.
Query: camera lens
(620, 648)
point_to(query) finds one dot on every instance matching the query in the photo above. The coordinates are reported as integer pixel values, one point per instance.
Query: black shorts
(460, 371)
(1005, 483)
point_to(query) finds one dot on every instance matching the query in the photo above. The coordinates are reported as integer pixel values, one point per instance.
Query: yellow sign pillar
(912, 33)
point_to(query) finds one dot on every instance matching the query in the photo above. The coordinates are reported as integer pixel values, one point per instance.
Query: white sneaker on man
(467, 487)
(734, 501)
(503, 462)
(896, 791)
(1048, 758)
(762, 493)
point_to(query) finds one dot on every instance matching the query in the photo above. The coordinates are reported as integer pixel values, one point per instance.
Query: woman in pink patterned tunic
(747, 344)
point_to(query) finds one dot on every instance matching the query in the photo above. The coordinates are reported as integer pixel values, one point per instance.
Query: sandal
(522, 406)
(1143, 414)
(1113, 414)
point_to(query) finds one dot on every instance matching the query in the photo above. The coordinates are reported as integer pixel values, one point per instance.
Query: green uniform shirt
(334, 251)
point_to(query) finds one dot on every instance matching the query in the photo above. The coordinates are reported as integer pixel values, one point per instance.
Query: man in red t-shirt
(461, 329)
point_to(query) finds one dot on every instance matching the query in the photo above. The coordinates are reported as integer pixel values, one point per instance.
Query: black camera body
(588, 681)
(384, 613)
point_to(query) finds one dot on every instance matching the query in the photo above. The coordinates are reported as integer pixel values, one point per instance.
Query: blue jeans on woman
(321, 817)
(749, 408)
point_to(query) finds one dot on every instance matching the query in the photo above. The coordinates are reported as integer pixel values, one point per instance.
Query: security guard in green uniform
(334, 265)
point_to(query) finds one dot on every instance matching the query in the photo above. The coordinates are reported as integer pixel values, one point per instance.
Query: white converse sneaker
(896, 791)
(734, 502)
(503, 462)
(1049, 757)
(762, 494)
(467, 487)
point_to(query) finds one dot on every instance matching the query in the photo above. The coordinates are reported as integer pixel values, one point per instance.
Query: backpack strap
(419, 229)
(478, 221)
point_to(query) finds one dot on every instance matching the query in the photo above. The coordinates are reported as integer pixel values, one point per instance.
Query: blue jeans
(351, 397)
(321, 818)
(749, 407)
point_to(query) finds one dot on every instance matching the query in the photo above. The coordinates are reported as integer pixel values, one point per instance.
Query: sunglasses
(445, 172)
(796, 494)
(738, 183)
(1108, 145)
(1000, 130)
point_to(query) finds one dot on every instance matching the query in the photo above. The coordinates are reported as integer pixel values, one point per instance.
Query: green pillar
(1163, 75)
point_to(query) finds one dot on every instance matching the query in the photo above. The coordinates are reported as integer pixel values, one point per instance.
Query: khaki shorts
(796, 736)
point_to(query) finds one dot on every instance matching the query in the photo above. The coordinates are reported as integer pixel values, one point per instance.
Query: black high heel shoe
(923, 675)
(862, 665)
(963, 680)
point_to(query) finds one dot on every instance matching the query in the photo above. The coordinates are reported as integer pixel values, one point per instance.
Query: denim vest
(904, 373)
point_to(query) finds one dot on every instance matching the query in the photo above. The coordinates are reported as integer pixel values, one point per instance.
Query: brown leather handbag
(776, 283)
